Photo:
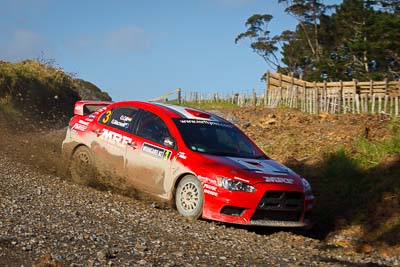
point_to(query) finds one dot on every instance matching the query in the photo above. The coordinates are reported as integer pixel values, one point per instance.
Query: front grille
(281, 200)
(280, 206)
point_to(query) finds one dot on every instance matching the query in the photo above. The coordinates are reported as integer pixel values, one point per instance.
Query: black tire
(83, 170)
(189, 197)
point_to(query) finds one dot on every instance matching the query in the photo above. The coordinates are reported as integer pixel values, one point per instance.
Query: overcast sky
(141, 49)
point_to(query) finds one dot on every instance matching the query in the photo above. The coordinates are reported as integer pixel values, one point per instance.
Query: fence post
(353, 104)
(325, 97)
(386, 85)
(340, 100)
(291, 79)
(371, 87)
(236, 99)
(289, 90)
(371, 93)
(267, 77)
(179, 96)
(303, 98)
(386, 95)
(316, 105)
(254, 100)
(357, 96)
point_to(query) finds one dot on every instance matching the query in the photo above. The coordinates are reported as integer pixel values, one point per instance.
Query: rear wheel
(83, 170)
(189, 197)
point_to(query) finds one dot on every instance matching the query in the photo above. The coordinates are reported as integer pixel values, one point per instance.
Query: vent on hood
(258, 164)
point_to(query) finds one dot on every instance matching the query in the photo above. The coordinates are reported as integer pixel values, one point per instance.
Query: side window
(153, 128)
(120, 118)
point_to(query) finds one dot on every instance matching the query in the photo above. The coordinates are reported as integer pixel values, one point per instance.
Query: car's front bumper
(274, 205)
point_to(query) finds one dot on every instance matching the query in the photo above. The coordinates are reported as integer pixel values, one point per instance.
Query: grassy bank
(360, 185)
(34, 90)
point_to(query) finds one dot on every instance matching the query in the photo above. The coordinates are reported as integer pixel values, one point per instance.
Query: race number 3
(107, 117)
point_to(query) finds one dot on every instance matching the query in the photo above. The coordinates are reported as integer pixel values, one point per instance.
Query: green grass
(351, 183)
(37, 91)
(7, 108)
(370, 154)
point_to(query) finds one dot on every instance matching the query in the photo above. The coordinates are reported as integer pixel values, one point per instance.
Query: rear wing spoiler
(86, 107)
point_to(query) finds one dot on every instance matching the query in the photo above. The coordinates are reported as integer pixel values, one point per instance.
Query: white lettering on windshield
(212, 123)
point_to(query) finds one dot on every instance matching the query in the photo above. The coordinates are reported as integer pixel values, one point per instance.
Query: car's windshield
(216, 138)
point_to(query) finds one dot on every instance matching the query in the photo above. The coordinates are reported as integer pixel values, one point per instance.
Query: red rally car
(200, 161)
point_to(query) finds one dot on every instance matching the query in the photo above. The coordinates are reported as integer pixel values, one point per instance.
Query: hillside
(37, 91)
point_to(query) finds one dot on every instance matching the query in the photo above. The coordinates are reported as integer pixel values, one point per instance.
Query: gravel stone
(44, 214)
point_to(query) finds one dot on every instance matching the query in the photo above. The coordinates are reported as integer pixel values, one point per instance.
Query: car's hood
(264, 166)
(265, 169)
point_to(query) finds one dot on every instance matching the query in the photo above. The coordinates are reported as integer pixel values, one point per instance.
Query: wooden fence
(374, 97)
(334, 97)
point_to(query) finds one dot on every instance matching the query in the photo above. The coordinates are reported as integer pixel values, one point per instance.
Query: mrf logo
(114, 138)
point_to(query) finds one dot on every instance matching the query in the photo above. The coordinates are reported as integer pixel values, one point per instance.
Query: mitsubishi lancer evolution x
(201, 162)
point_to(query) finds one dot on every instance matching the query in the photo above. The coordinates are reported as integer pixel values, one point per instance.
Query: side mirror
(169, 142)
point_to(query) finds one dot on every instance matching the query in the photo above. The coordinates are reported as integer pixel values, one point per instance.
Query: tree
(308, 13)
(259, 35)
(367, 40)
(360, 39)
(292, 47)
(303, 52)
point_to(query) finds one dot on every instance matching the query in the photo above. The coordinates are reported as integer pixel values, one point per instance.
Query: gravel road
(45, 218)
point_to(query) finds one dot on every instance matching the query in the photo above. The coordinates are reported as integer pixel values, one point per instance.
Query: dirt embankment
(289, 134)
(43, 214)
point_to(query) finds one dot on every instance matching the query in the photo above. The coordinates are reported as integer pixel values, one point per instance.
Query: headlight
(307, 187)
(234, 185)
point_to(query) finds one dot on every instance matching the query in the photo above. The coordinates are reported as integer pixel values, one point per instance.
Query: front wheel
(189, 197)
(83, 170)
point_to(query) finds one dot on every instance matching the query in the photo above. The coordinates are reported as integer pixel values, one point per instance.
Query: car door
(148, 161)
(112, 136)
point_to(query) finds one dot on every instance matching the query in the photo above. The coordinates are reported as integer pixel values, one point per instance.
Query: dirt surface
(289, 134)
(47, 219)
